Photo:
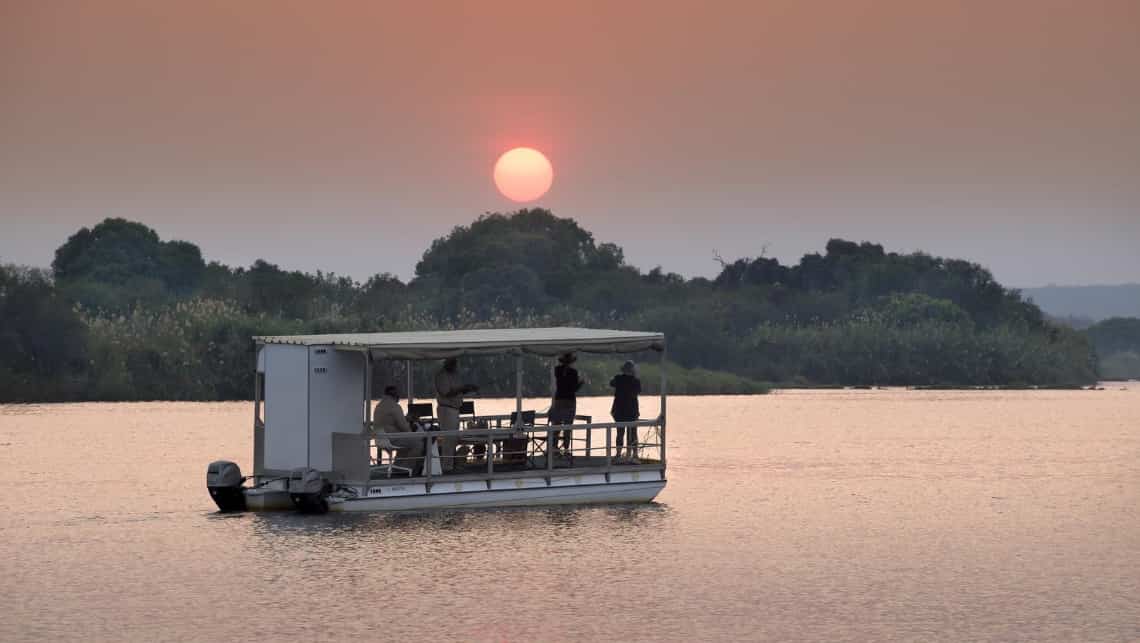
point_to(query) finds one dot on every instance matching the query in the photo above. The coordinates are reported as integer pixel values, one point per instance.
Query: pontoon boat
(314, 447)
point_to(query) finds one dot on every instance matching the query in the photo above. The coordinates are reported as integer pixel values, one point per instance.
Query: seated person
(389, 418)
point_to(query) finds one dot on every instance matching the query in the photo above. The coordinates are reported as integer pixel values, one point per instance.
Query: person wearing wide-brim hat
(564, 406)
(625, 409)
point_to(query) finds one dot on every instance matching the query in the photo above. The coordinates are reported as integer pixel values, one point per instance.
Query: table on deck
(538, 438)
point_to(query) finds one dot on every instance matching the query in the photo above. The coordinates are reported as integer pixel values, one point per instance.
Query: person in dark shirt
(625, 409)
(564, 407)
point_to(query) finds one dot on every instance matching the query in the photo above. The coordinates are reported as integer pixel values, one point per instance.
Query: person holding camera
(449, 392)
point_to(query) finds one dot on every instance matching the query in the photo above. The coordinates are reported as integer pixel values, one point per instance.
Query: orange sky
(347, 135)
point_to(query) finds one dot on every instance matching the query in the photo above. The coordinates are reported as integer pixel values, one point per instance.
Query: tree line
(1117, 343)
(125, 315)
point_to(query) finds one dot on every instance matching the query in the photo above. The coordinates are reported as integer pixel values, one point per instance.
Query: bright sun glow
(523, 174)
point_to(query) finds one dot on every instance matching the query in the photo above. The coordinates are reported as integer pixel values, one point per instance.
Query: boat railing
(524, 448)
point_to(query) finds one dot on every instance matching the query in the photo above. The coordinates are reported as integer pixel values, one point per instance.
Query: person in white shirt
(449, 391)
(389, 418)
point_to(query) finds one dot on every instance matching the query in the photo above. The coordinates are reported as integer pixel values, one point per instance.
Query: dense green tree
(759, 271)
(42, 340)
(906, 310)
(221, 282)
(269, 289)
(383, 297)
(180, 266)
(504, 287)
(1117, 343)
(1115, 335)
(558, 252)
(119, 263)
(1124, 365)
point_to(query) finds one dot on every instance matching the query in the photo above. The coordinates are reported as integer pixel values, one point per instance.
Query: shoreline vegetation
(124, 315)
(760, 390)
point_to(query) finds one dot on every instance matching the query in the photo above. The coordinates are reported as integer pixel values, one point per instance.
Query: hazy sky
(347, 135)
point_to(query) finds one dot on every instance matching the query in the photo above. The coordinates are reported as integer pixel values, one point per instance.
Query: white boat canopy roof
(439, 344)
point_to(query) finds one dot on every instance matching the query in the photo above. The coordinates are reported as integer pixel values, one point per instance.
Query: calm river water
(825, 515)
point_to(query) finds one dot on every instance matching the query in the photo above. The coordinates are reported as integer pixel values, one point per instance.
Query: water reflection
(22, 409)
(475, 524)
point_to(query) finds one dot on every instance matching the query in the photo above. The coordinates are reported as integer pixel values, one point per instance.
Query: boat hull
(268, 500)
(415, 495)
(604, 493)
(458, 493)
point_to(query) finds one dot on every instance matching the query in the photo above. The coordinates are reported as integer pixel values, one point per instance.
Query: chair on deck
(421, 414)
(467, 413)
(385, 446)
(527, 418)
(514, 448)
(418, 411)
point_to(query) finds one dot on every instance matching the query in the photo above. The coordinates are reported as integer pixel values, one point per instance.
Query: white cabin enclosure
(311, 392)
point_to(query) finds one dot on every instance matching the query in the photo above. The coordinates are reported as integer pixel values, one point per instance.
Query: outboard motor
(308, 490)
(223, 479)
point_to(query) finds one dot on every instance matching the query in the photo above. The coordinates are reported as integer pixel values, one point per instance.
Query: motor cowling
(308, 489)
(223, 481)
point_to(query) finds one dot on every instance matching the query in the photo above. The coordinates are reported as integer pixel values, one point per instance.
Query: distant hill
(1090, 302)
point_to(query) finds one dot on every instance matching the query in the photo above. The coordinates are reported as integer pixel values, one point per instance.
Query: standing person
(449, 392)
(625, 409)
(565, 404)
(389, 418)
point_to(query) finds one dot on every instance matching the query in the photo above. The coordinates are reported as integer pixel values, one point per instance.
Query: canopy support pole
(258, 424)
(518, 387)
(410, 393)
(258, 378)
(661, 438)
(367, 389)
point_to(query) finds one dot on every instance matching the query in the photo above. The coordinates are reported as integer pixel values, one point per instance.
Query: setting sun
(523, 174)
